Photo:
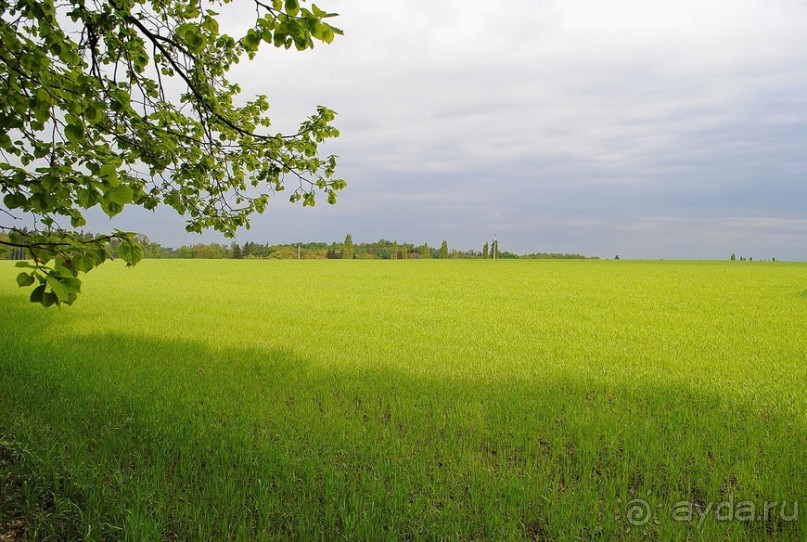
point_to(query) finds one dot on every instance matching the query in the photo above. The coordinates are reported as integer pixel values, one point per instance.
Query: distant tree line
(556, 256)
(750, 259)
(348, 249)
(378, 250)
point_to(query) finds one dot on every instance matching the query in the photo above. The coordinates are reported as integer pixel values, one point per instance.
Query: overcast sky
(641, 128)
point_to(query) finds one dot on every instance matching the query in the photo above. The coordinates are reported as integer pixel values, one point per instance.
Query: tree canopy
(112, 103)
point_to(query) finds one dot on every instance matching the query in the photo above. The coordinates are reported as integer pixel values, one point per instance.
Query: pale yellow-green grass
(408, 400)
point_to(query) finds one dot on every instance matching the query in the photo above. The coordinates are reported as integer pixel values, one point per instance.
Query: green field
(407, 400)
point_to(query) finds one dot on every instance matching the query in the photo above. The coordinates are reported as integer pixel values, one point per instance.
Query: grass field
(417, 400)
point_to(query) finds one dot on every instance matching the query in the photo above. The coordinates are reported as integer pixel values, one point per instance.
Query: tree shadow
(171, 439)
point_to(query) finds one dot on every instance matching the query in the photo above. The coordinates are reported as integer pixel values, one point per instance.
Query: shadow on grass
(114, 437)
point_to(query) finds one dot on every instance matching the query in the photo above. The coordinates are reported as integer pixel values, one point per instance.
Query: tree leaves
(120, 194)
(113, 201)
(60, 257)
(191, 35)
(74, 133)
(122, 103)
(131, 252)
(37, 295)
(57, 287)
(25, 279)
(94, 113)
(292, 8)
(252, 40)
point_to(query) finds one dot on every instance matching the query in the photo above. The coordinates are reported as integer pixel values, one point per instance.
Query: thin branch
(9, 214)
(156, 40)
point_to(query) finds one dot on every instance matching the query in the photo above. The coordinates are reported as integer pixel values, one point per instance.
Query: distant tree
(444, 250)
(384, 254)
(424, 251)
(235, 250)
(213, 251)
(494, 250)
(333, 253)
(395, 250)
(616, 257)
(733, 257)
(485, 250)
(285, 253)
(404, 255)
(153, 250)
(348, 250)
(5, 250)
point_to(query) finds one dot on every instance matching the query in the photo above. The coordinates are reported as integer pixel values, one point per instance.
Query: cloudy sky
(641, 128)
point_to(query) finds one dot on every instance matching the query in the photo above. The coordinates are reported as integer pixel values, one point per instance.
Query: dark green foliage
(236, 252)
(347, 251)
(381, 249)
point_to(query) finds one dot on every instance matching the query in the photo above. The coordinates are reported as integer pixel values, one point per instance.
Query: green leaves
(61, 257)
(325, 33)
(252, 40)
(25, 279)
(14, 201)
(292, 7)
(85, 262)
(74, 133)
(113, 201)
(109, 172)
(57, 287)
(211, 26)
(190, 35)
(293, 26)
(87, 197)
(94, 114)
(120, 194)
(38, 294)
(129, 103)
(130, 252)
(119, 101)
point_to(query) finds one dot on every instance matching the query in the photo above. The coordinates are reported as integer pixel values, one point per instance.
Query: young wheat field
(408, 400)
